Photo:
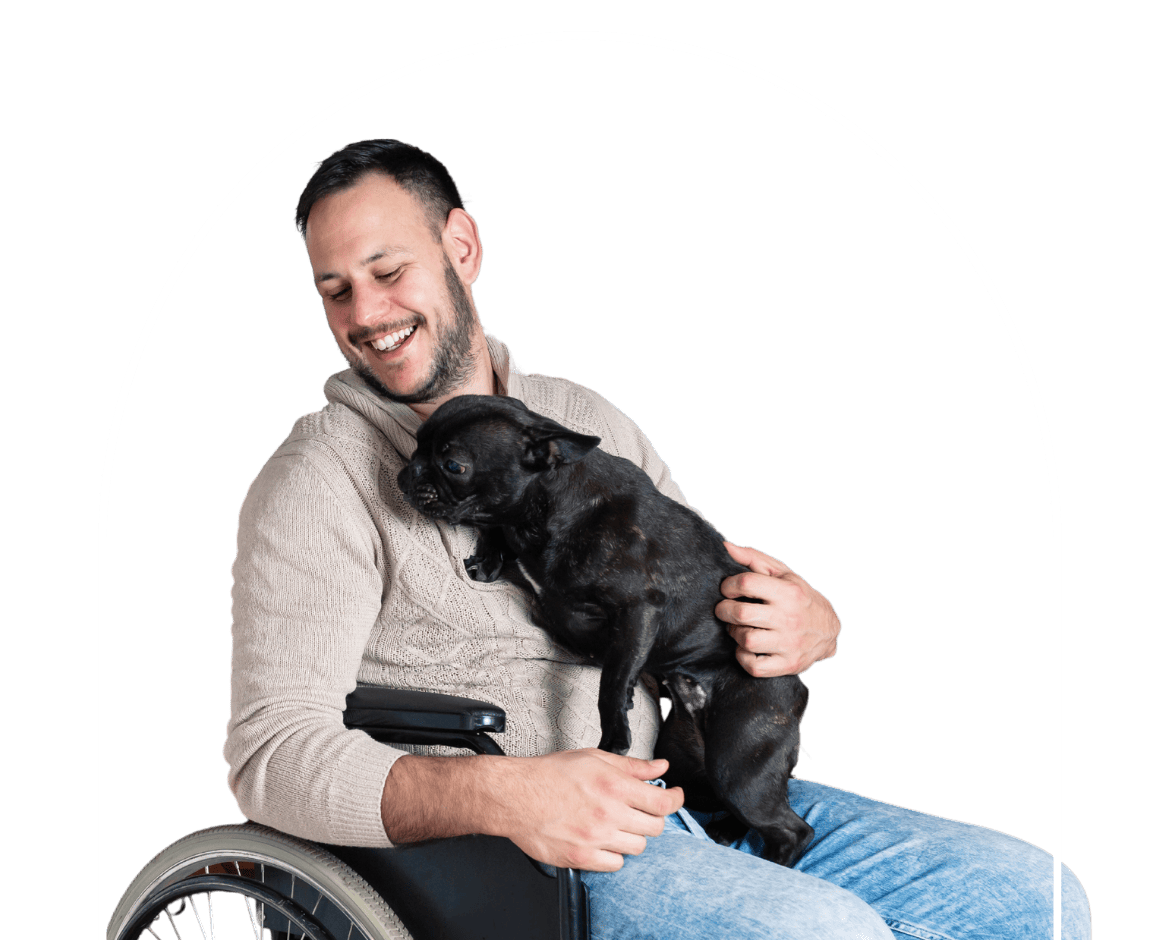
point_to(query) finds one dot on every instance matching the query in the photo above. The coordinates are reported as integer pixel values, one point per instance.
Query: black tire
(291, 881)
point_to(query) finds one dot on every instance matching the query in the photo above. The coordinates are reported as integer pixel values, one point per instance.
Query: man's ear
(462, 246)
(548, 445)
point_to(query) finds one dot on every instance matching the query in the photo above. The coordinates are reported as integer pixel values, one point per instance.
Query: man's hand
(573, 809)
(790, 628)
(587, 809)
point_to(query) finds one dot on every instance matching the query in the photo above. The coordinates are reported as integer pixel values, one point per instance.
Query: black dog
(629, 577)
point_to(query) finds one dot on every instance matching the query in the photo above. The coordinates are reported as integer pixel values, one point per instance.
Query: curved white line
(591, 36)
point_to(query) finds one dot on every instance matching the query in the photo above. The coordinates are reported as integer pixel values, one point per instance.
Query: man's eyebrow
(370, 259)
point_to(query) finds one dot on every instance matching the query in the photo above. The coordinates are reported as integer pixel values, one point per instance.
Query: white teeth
(391, 340)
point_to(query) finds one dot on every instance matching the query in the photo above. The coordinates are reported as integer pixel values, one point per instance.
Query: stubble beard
(454, 361)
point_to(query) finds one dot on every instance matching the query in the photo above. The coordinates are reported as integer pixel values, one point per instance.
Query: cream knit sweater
(339, 581)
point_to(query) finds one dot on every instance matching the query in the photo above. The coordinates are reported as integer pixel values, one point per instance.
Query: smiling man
(396, 302)
(339, 581)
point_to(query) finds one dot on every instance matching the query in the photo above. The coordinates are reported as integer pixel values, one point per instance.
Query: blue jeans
(873, 872)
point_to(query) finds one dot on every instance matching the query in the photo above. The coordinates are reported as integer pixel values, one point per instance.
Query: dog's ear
(549, 444)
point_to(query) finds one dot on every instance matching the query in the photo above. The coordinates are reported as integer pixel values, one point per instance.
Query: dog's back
(618, 540)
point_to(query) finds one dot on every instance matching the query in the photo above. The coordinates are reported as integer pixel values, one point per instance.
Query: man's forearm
(576, 809)
(438, 797)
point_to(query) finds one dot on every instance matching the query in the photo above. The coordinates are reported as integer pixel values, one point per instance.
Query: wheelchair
(251, 882)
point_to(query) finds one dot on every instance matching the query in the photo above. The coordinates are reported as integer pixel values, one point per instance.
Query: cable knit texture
(338, 582)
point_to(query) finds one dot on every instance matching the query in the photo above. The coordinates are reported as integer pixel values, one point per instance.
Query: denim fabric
(873, 872)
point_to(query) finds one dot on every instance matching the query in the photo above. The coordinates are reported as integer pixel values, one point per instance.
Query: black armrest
(409, 717)
(406, 716)
(373, 706)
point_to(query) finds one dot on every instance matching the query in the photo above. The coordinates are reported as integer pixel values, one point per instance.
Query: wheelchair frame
(450, 889)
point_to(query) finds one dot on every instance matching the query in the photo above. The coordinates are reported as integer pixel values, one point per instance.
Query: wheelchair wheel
(250, 882)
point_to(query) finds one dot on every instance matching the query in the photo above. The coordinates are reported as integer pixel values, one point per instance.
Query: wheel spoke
(172, 923)
(252, 911)
(251, 906)
(197, 914)
(261, 909)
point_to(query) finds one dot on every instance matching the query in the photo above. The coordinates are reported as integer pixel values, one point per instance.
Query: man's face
(393, 299)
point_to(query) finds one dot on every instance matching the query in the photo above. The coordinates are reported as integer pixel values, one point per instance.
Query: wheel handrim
(185, 910)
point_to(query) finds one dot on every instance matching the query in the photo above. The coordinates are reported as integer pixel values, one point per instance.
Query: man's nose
(369, 307)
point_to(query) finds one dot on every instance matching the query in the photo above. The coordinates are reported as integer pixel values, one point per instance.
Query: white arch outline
(1057, 528)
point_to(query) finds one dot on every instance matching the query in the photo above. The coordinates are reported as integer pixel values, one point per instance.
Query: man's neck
(483, 382)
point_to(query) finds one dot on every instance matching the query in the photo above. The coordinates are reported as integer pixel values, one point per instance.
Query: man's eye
(339, 295)
(389, 276)
(452, 467)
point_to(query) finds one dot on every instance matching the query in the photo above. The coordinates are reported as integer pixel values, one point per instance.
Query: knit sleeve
(307, 592)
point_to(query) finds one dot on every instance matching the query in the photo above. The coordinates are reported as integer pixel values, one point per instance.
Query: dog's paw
(725, 830)
(483, 567)
(616, 742)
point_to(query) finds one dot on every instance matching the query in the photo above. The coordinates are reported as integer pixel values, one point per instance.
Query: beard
(454, 361)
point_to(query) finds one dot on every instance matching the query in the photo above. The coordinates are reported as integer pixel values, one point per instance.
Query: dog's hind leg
(752, 736)
(682, 743)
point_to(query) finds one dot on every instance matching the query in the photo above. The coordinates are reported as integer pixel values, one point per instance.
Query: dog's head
(477, 454)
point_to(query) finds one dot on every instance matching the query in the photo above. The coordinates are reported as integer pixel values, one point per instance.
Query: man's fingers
(660, 804)
(649, 800)
(743, 613)
(597, 860)
(759, 640)
(786, 590)
(756, 561)
(641, 769)
(748, 584)
(764, 665)
(767, 652)
(611, 856)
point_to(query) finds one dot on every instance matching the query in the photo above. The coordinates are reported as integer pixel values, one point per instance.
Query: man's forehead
(374, 199)
(375, 218)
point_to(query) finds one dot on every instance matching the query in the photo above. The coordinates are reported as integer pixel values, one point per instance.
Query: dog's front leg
(632, 636)
(491, 552)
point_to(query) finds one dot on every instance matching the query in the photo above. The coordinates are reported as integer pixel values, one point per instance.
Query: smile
(392, 340)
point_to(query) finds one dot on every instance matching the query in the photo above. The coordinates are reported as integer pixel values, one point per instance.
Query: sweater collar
(398, 422)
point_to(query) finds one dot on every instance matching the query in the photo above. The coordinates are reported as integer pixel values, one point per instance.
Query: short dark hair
(415, 170)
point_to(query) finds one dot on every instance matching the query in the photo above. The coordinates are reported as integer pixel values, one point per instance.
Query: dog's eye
(453, 467)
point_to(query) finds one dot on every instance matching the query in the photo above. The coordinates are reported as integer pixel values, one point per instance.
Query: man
(338, 581)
